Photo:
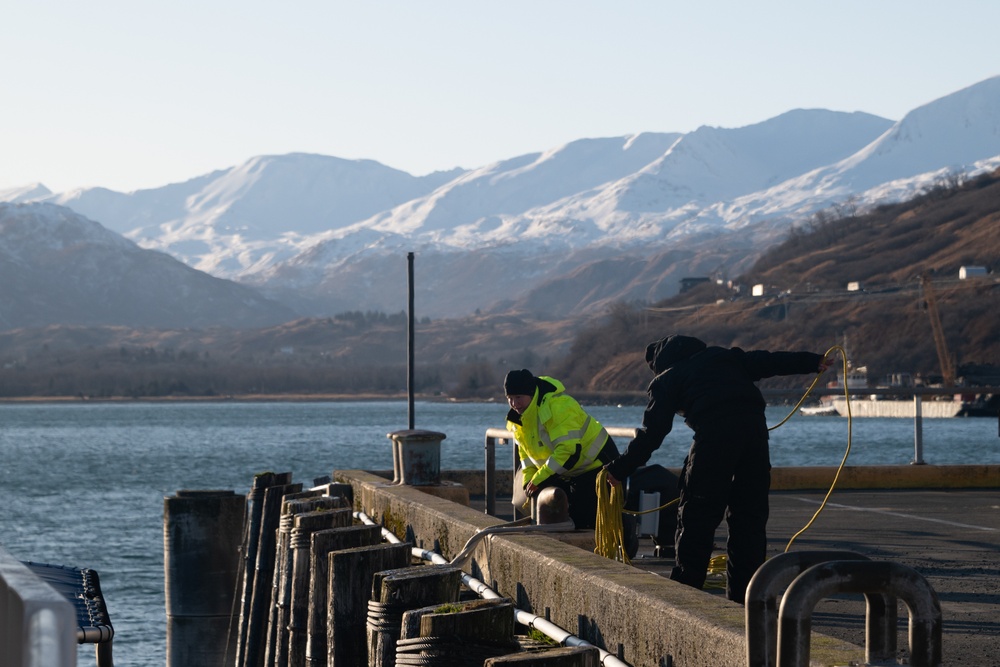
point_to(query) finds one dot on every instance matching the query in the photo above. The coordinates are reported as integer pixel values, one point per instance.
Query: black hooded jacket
(712, 388)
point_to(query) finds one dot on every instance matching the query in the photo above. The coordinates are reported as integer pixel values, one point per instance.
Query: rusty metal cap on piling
(415, 435)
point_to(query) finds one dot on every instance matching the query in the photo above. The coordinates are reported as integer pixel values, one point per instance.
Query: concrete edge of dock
(922, 476)
(642, 617)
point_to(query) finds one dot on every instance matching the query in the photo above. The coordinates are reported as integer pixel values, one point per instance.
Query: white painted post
(918, 431)
(39, 624)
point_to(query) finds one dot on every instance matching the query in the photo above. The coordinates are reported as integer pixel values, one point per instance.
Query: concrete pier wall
(808, 477)
(643, 618)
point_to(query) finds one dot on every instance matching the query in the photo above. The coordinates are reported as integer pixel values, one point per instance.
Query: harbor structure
(633, 614)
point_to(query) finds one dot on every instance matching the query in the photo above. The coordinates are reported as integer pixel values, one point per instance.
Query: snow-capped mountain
(235, 220)
(58, 267)
(33, 192)
(608, 219)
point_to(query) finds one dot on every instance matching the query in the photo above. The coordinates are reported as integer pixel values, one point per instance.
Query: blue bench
(82, 588)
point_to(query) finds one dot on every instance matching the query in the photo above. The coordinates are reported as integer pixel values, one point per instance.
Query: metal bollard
(416, 457)
(820, 581)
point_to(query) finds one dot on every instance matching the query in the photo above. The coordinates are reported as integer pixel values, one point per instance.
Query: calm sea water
(83, 484)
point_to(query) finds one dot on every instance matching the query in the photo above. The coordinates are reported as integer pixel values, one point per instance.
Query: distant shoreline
(228, 398)
(590, 398)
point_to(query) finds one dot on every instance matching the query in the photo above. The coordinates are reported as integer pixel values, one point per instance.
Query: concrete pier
(940, 523)
(636, 613)
(645, 618)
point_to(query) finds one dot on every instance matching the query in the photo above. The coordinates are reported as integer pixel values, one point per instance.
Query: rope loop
(609, 535)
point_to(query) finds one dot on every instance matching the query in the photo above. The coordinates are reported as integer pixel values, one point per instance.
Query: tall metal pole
(409, 346)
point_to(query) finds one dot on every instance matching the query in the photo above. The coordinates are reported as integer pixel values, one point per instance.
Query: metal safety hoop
(867, 577)
(770, 582)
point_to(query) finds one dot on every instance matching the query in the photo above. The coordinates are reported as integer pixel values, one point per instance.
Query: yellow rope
(655, 509)
(609, 535)
(805, 395)
(847, 398)
(716, 577)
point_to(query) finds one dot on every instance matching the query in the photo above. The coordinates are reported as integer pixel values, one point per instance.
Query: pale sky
(134, 94)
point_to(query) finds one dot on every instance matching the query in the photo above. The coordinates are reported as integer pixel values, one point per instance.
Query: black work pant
(727, 474)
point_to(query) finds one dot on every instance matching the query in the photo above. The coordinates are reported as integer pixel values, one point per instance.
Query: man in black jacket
(727, 471)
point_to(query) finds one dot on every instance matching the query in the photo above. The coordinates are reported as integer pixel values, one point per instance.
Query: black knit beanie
(519, 382)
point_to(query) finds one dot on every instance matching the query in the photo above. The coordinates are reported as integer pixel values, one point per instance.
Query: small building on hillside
(854, 286)
(966, 272)
(757, 290)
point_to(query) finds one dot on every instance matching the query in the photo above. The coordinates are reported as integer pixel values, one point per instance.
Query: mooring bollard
(202, 531)
(416, 457)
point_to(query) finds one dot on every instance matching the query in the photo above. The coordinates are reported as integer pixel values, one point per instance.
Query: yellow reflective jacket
(555, 436)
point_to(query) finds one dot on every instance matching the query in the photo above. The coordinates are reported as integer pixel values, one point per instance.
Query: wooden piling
(298, 601)
(293, 506)
(248, 569)
(201, 534)
(458, 634)
(322, 544)
(273, 601)
(566, 656)
(260, 601)
(348, 591)
(396, 591)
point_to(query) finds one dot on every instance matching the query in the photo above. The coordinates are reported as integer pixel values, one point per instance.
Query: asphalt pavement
(950, 537)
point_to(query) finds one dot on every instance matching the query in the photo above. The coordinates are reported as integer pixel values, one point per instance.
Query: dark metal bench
(82, 587)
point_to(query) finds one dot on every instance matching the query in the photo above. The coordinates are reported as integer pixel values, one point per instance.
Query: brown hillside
(885, 325)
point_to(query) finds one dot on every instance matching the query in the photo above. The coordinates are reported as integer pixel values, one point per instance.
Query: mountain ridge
(59, 267)
(328, 234)
(805, 304)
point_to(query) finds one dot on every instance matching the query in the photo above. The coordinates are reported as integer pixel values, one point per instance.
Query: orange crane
(947, 367)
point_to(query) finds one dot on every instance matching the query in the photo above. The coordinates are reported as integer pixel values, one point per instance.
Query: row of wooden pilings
(286, 578)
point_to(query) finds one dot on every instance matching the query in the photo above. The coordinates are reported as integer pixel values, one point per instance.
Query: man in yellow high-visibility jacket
(558, 443)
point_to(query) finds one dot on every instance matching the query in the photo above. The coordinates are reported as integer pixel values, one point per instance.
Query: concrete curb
(887, 477)
(807, 477)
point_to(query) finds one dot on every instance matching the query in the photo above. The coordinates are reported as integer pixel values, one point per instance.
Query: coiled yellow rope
(609, 535)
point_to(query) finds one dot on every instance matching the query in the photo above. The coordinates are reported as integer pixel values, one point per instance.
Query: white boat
(891, 407)
(819, 410)
(873, 405)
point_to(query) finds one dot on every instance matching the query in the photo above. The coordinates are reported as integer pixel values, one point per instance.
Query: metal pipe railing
(525, 618)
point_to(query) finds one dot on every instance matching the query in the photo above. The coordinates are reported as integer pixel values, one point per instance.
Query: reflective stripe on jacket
(556, 436)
